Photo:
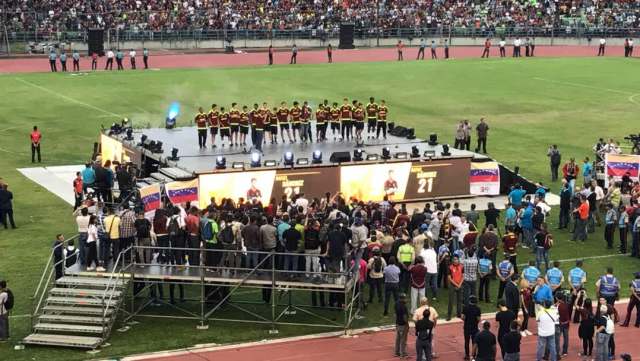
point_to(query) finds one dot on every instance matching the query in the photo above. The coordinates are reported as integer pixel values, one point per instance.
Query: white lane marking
(584, 86)
(68, 99)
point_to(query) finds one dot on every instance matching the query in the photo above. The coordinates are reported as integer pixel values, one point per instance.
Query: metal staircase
(79, 309)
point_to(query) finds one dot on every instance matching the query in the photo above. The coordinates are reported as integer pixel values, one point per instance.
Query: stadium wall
(317, 43)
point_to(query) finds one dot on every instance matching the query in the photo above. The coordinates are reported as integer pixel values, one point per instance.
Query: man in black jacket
(6, 207)
(565, 205)
(512, 294)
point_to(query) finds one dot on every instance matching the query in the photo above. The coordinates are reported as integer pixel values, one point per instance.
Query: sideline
(588, 87)
(68, 99)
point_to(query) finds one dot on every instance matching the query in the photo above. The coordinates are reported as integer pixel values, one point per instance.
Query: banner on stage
(150, 196)
(484, 178)
(181, 192)
(618, 165)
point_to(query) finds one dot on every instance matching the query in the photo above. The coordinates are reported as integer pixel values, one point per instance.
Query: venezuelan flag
(181, 192)
(150, 196)
(484, 172)
(619, 164)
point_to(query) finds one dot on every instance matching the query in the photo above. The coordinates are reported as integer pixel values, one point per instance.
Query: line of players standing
(345, 122)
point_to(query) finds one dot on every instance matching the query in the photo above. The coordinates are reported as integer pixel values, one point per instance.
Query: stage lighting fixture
(143, 139)
(386, 153)
(415, 152)
(429, 153)
(302, 161)
(445, 150)
(158, 147)
(152, 145)
(317, 157)
(270, 163)
(237, 165)
(147, 144)
(174, 155)
(357, 155)
(288, 158)
(170, 123)
(411, 134)
(129, 133)
(256, 159)
(433, 139)
(372, 157)
(401, 155)
(221, 162)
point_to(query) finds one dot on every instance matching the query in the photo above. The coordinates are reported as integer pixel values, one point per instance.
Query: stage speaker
(411, 134)
(399, 131)
(340, 157)
(390, 126)
(96, 42)
(346, 36)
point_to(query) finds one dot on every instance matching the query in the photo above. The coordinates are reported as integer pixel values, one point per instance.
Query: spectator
(564, 313)
(484, 271)
(6, 304)
(430, 259)
(484, 348)
(471, 317)
(512, 294)
(418, 274)
(470, 274)
(603, 325)
(586, 328)
(391, 283)
(547, 317)
(402, 326)
(504, 318)
(455, 279)
(6, 207)
(424, 336)
(511, 343)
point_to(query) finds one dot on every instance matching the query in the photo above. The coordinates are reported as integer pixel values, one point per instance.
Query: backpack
(226, 235)
(8, 304)
(610, 328)
(548, 241)
(377, 265)
(555, 157)
(174, 227)
(206, 231)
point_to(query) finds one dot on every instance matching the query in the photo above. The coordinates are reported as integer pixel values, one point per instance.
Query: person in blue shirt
(542, 292)
(504, 272)
(555, 277)
(577, 277)
(587, 170)
(444, 257)
(63, 61)
(541, 191)
(608, 286)
(531, 273)
(52, 60)
(484, 270)
(510, 217)
(516, 195)
(119, 57)
(88, 177)
(526, 223)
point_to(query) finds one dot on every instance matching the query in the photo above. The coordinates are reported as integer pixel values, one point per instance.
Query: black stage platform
(196, 160)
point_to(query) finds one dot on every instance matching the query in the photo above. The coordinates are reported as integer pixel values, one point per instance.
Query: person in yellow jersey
(405, 256)
(234, 123)
(296, 114)
(273, 125)
(283, 120)
(244, 125)
(334, 114)
(345, 120)
(372, 117)
(383, 111)
(213, 118)
(358, 119)
(201, 125)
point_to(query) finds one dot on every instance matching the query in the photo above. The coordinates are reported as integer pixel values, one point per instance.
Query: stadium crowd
(406, 256)
(156, 15)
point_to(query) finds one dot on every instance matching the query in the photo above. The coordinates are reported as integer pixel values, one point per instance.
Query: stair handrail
(112, 285)
(47, 273)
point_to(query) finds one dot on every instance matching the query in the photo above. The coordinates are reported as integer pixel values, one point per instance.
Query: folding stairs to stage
(78, 311)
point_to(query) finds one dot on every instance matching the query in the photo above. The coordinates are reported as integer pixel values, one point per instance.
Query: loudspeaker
(340, 157)
(96, 42)
(411, 134)
(399, 131)
(346, 36)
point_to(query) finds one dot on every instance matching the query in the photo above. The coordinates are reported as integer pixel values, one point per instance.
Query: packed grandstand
(321, 15)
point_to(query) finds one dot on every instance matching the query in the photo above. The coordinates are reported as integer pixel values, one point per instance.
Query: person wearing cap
(634, 301)
(420, 239)
(376, 266)
(471, 314)
(402, 326)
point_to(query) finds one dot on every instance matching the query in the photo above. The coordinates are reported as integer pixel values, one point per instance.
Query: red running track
(212, 60)
(378, 346)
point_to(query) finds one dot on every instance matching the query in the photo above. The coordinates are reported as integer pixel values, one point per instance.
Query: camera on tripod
(635, 139)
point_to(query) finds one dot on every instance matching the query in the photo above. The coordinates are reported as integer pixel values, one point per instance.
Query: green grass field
(529, 104)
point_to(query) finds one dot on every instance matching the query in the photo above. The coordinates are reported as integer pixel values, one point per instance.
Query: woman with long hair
(586, 328)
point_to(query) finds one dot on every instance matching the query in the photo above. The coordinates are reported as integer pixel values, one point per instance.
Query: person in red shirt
(487, 46)
(94, 61)
(399, 47)
(283, 120)
(192, 225)
(270, 54)
(329, 53)
(418, 274)
(36, 137)
(77, 190)
(455, 287)
(201, 124)
(582, 213)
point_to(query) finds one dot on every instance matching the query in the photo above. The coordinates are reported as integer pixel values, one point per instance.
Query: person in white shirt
(630, 47)
(547, 318)
(502, 45)
(92, 242)
(430, 258)
(301, 201)
(110, 56)
(516, 47)
(82, 220)
(132, 58)
(603, 44)
(599, 197)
